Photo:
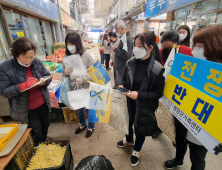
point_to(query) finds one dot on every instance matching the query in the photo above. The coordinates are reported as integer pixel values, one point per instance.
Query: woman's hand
(218, 149)
(132, 94)
(68, 71)
(43, 83)
(79, 80)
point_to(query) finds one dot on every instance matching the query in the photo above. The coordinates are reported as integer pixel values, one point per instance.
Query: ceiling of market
(98, 10)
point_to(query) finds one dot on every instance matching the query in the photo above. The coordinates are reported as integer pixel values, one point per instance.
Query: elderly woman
(19, 73)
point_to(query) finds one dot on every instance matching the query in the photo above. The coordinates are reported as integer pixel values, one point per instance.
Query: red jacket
(183, 50)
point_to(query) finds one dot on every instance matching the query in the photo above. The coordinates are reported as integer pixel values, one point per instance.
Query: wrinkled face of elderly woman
(27, 58)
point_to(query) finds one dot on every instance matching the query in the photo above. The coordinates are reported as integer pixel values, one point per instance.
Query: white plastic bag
(165, 121)
(76, 63)
(78, 98)
(119, 116)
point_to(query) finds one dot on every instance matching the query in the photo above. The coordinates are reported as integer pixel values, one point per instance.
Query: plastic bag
(119, 116)
(64, 89)
(95, 163)
(77, 98)
(53, 98)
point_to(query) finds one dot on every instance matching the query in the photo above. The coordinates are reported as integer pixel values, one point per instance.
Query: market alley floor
(103, 142)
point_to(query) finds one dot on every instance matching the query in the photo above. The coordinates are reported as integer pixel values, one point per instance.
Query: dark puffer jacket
(12, 74)
(148, 95)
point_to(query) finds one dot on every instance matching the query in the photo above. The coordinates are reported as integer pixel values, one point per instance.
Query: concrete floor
(103, 142)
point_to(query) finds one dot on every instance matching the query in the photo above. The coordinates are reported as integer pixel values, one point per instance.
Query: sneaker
(135, 158)
(80, 129)
(172, 164)
(89, 133)
(124, 143)
(157, 134)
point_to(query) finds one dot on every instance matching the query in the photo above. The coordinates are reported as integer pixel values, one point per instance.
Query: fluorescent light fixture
(69, 0)
(112, 15)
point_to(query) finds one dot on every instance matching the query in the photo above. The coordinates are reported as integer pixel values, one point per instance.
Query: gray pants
(118, 78)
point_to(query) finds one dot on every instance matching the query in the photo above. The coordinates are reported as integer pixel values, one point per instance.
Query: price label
(20, 34)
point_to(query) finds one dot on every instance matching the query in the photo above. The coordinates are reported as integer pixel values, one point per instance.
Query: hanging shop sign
(68, 20)
(156, 7)
(197, 93)
(43, 7)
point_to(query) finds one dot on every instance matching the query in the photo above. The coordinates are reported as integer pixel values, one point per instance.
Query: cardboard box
(57, 76)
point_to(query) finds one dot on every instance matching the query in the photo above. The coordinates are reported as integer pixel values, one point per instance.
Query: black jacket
(121, 55)
(148, 96)
(12, 74)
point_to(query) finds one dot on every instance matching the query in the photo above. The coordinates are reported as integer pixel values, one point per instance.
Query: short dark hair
(112, 34)
(186, 41)
(74, 38)
(149, 38)
(161, 34)
(171, 36)
(22, 46)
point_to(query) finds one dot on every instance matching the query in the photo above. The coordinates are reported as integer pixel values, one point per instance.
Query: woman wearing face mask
(207, 43)
(19, 73)
(169, 39)
(74, 47)
(184, 35)
(143, 76)
(107, 50)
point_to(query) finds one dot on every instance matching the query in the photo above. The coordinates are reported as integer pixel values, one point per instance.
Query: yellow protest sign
(20, 34)
(203, 109)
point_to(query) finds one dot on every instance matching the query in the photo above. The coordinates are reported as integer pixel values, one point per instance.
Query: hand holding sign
(218, 149)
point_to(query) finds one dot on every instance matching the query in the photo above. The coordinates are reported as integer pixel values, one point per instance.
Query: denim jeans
(102, 58)
(82, 119)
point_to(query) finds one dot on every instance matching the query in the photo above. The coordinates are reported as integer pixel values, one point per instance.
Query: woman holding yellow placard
(74, 48)
(207, 46)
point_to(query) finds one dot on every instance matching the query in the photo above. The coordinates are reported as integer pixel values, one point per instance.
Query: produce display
(51, 66)
(57, 57)
(60, 45)
(47, 156)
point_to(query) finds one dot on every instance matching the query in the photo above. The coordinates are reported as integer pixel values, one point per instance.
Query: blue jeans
(102, 58)
(82, 119)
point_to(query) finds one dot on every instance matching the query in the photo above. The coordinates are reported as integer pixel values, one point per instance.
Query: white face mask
(23, 64)
(139, 53)
(182, 36)
(118, 34)
(72, 49)
(199, 53)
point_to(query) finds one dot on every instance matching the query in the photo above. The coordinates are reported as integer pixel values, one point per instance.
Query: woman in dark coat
(143, 76)
(16, 75)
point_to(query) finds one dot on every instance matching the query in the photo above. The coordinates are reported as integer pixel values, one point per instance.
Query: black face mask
(166, 51)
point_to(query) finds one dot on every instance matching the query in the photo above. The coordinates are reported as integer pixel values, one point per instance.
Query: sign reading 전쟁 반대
(194, 87)
(43, 7)
(156, 7)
